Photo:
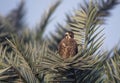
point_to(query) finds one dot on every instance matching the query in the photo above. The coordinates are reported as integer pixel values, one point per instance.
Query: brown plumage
(68, 46)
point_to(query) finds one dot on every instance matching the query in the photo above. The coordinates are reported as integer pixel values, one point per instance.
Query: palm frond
(112, 68)
(32, 53)
(7, 73)
(16, 17)
(85, 25)
(33, 61)
(90, 15)
(5, 30)
(45, 20)
(20, 65)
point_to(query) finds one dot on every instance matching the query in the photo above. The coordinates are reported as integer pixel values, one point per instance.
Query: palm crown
(26, 56)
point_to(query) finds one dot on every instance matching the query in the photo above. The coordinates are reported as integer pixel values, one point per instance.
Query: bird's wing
(61, 47)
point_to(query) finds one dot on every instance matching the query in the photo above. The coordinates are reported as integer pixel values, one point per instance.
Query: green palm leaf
(16, 17)
(22, 67)
(85, 25)
(45, 20)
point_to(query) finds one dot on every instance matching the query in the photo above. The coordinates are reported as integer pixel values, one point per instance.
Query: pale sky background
(35, 8)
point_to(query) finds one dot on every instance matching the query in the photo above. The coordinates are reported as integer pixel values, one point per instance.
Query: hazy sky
(35, 8)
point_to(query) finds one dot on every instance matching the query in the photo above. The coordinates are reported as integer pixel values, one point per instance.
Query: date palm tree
(27, 57)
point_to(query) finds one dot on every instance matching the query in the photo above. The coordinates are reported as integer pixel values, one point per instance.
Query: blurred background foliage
(26, 56)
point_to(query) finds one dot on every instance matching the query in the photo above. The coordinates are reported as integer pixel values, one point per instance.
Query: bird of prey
(68, 46)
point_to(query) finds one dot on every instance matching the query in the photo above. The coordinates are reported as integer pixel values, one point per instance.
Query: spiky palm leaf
(85, 25)
(97, 10)
(34, 62)
(32, 52)
(112, 67)
(21, 66)
(12, 24)
(45, 21)
(16, 17)
(5, 30)
(20, 59)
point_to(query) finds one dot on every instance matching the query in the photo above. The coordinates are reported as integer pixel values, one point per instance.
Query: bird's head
(69, 34)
